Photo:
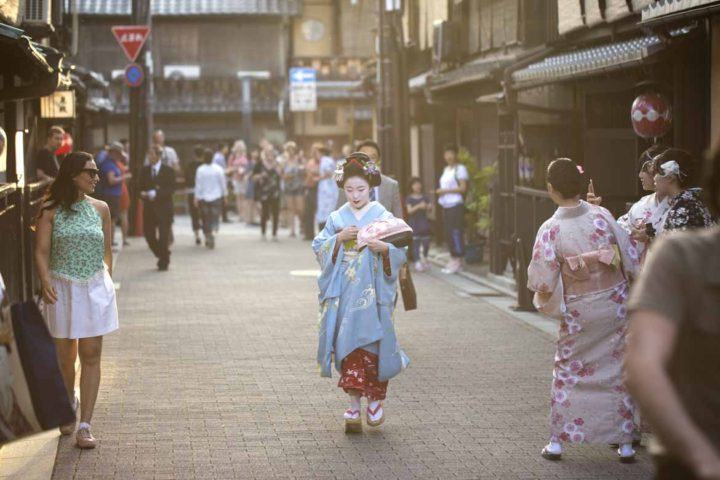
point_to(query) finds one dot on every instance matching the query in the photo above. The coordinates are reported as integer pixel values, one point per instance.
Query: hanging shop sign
(58, 105)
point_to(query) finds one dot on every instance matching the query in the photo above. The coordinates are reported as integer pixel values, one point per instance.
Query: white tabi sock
(554, 447)
(354, 407)
(626, 450)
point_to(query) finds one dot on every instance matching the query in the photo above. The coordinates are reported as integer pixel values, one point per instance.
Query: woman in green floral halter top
(74, 262)
(78, 242)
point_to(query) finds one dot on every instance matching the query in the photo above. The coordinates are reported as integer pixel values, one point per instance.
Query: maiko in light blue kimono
(357, 298)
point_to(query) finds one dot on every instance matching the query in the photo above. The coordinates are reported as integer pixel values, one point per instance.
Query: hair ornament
(580, 169)
(671, 168)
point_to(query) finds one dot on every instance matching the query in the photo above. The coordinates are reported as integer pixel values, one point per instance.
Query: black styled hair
(354, 166)
(62, 191)
(685, 161)
(565, 177)
(647, 158)
(370, 143)
(450, 147)
(208, 156)
(413, 181)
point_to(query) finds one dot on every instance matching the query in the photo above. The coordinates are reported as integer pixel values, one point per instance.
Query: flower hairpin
(580, 169)
(671, 168)
(370, 168)
(339, 170)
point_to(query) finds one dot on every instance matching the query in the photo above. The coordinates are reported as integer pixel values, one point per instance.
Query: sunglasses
(93, 172)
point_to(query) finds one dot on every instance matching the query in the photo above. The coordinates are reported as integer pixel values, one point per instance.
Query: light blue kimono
(356, 298)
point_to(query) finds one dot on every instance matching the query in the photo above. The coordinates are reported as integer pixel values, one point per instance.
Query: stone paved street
(212, 376)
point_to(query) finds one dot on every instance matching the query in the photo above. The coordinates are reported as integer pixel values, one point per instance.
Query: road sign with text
(303, 89)
(131, 38)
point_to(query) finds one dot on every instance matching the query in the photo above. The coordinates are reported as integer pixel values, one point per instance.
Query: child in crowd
(418, 206)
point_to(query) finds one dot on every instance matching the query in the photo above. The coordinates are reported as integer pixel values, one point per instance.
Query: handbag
(407, 288)
(33, 396)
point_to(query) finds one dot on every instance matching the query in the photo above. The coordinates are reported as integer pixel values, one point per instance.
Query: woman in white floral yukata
(581, 266)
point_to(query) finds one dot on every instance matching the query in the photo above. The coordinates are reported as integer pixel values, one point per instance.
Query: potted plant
(477, 203)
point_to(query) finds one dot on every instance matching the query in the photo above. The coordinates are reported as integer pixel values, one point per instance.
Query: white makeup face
(357, 191)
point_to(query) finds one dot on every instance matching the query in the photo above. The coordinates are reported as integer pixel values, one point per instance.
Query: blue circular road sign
(134, 75)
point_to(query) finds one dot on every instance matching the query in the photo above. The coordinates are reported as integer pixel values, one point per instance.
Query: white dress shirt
(210, 183)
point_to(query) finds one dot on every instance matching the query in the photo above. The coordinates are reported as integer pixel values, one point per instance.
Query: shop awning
(591, 61)
(193, 7)
(475, 71)
(37, 69)
(669, 10)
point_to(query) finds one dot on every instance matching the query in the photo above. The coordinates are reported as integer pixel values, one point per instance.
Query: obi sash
(592, 271)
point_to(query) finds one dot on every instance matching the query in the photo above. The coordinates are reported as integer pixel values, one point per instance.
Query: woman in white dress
(74, 261)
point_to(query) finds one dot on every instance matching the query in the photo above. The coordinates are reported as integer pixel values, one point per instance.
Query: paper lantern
(651, 115)
(66, 146)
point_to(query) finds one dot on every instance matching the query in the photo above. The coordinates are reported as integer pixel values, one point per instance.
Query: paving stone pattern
(212, 376)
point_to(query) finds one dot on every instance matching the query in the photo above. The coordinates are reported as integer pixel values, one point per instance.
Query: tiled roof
(194, 7)
(662, 8)
(475, 71)
(591, 61)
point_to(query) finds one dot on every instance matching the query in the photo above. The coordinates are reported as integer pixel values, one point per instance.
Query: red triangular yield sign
(131, 38)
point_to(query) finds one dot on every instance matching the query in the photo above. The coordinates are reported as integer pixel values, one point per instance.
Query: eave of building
(179, 8)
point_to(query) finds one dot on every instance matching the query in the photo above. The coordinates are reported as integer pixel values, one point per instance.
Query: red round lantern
(651, 115)
(66, 146)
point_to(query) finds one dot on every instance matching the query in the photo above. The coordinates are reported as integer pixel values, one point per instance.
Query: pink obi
(592, 271)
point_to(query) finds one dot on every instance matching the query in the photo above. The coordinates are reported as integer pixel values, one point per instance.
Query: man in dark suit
(388, 193)
(157, 184)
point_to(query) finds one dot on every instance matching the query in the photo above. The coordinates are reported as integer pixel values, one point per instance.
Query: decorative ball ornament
(651, 115)
(66, 146)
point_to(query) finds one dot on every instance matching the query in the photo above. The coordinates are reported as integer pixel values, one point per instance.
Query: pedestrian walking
(122, 163)
(673, 174)
(581, 267)
(251, 197)
(210, 194)
(168, 155)
(327, 192)
(157, 184)
(312, 177)
(418, 206)
(388, 192)
(356, 326)
(46, 162)
(267, 183)
(220, 158)
(74, 262)
(190, 171)
(453, 185)
(293, 185)
(111, 180)
(238, 171)
(673, 359)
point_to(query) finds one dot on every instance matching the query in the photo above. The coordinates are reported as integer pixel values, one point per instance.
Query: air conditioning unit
(446, 42)
(38, 12)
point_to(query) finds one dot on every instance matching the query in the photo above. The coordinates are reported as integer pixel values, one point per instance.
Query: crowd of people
(638, 317)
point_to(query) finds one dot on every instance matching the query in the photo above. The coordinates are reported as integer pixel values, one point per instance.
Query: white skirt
(83, 309)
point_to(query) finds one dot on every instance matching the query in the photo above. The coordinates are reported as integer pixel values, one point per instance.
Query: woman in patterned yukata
(357, 296)
(74, 261)
(581, 265)
(673, 173)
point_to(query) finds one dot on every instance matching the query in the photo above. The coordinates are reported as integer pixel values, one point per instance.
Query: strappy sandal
(370, 412)
(353, 422)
